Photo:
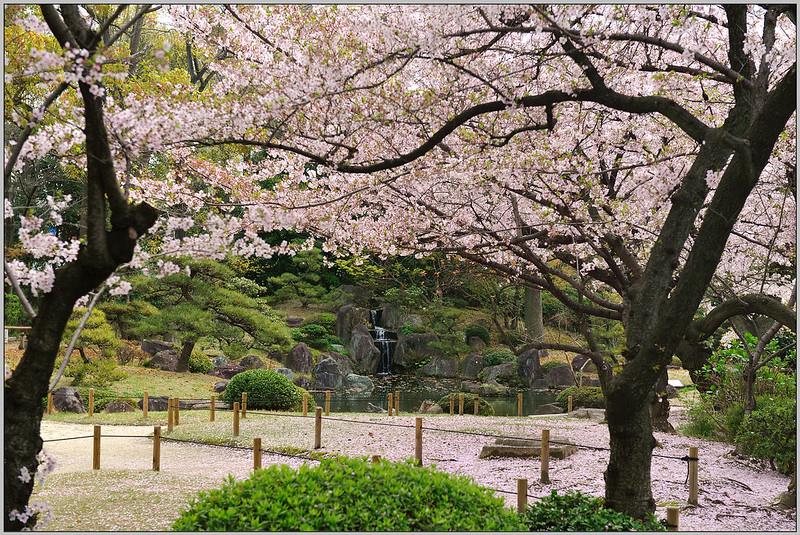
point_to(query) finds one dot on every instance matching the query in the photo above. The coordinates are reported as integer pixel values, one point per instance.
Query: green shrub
(349, 495)
(573, 511)
(476, 329)
(266, 389)
(701, 421)
(13, 311)
(497, 355)
(484, 407)
(99, 373)
(410, 328)
(199, 362)
(97, 332)
(770, 432)
(315, 336)
(102, 397)
(130, 353)
(323, 319)
(550, 364)
(586, 396)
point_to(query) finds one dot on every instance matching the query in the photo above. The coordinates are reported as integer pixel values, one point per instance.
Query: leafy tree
(96, 333)
(196, 303)
(302, 282)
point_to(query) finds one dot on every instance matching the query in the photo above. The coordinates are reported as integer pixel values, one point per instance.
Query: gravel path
(735, 494)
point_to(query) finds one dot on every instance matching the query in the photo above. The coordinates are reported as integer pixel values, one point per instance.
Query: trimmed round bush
(587, 396)
(200, 362)
(349, 495)
(325, 319)
(476, 329)
(573, 511)
(484, 407)
(266, 389)
(497, 355)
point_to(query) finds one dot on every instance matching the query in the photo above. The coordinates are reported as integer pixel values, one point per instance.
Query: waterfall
(384, 344)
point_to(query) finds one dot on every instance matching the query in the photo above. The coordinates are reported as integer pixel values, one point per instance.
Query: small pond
(415, 390)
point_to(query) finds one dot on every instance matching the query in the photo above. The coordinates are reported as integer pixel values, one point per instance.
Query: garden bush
(573, 511)
(131, 353)
(315, 336)
(102, 397)
(484, 407)
(497, 355)
(98, 373)
(476, 329)
(410, 328)
(266, 389)
(349, 495)
(586, 396)
(199, 362)
(770, 432)
(323, 319)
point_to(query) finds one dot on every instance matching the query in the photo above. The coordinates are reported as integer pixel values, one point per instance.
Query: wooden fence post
(157, 448)
(569, 404)
(545, 456)
(244, 404)
(328, 403)
(145, 403)
(170, 416)
(91, 402)
(236, 419)
(96, 449)
(452, 403)
(397, 403)
(519, 404)
(50, 409)
(522, 495)
(391, 403)
(318, 429)
(256, 454)
(305, 403)
(418, 441)
(212, 414)
(693, 466)
(476, 404)
(461, 404)
(672, 518)
(176, 407)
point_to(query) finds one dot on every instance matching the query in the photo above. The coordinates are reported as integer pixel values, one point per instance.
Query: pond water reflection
(415, 390)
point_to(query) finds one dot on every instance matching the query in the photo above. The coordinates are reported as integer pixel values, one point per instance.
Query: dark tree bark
(186, 353)
(105, 249)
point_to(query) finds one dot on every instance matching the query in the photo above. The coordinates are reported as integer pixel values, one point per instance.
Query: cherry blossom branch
(18, 289)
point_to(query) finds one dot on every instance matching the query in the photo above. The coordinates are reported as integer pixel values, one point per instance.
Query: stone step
(511, 447)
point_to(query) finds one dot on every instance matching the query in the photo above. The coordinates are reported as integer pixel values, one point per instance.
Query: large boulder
(345, 365)
(347, 319)
(375, 408)
(166, 360)
(156, 403)
(439, 367)
(415, 320)
(219, 360)
(119, 406)
(391, 316)
(582, 361)
(152, 347)
(327, 375)
(429, 407)
(529, 366)
(303, 381)
(285, 371)
(412, 348)
(227, 371)
(300, 359)
(358, 383)
(251, 362)
(499, 373)
(470, 387)
(472, 365)
(560, 377)
(220, 386)
(476, 343)
(67, 399)
(549, 408)
(365, 355)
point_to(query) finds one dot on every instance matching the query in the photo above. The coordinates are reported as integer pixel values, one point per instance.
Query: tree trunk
(186, 352)
(534, 319)
(627, 477)
(749, 389)
(660, 409)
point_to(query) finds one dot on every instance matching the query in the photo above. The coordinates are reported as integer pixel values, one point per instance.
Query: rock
(358, 383)
(120, 406)
(439, 367)
(529, 367)
(156, 403)
(303, 381)
(67, 399)
(597, 415)
(671, 391)
(327, 375)
(412, 348)
(391, 316)
(539, 384)
(293, 323)
(227, 371)
(154, 346)
(166, 360)
(500, 372)
(472, 365)
(476, 343)
(414, 320)
(510, 447)
(374, 408)
(286, 371)
(560, 376)
(429, 407)
(300, 359)
(582, 361)
(345, 365)
(470, 387)
(347, 319)
(549, 408)
(490, 391)
(365, 355)
(251, 362)
(788, 500)
(589, 381)
(220, 387)
(219, 360)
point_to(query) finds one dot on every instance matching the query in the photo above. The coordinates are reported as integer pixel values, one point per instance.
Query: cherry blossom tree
(638, 154)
